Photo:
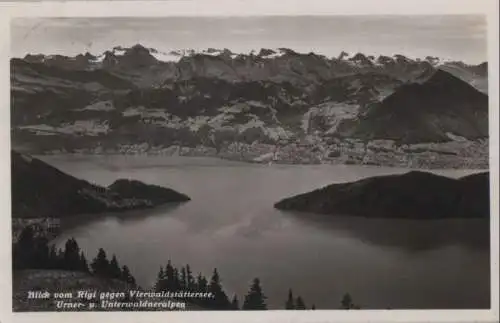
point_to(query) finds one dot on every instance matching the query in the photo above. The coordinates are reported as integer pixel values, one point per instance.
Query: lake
(231, 224)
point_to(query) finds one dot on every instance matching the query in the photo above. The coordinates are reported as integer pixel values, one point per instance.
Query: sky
(456, 37)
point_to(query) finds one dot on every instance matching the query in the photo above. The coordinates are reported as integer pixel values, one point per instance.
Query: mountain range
(153, 68)
(138, 95)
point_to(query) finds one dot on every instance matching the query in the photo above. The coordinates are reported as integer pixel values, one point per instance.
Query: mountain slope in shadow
(40, 190)
(427, 112)
(413, 195)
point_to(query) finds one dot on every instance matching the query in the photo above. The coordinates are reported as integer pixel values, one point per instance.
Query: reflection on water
(121, 217)
(411, 235)
(231, 224)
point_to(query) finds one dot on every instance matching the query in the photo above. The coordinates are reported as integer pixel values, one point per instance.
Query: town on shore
(452, 154)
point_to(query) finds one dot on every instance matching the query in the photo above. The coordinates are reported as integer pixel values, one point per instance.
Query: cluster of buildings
(42, 227)
(381, 153)
(315, 149)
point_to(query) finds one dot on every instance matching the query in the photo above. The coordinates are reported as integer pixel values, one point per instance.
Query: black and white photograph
(236, 163)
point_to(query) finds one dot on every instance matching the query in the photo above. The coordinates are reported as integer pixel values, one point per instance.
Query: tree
(299, 304)
(32, 251)
(24, 249)
(177, 281)
(290, 305)
(346, 302)
(235, 304)
(201, 283)
(83, 263)
(114, 268)
(71, 255)
(191, 283)
(169, 277)
(41, 253)
(53, 257)
(100, 264)
(220, 300)
(255, 299)
(160, 280)
(183, 279)
(60, 260)
(127, 276)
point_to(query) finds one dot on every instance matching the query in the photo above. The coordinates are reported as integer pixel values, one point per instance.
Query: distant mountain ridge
(280, 64)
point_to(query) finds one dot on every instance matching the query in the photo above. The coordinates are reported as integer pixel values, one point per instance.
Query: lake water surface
(231, 224)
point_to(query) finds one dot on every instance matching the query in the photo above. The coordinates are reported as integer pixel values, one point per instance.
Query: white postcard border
(246, 8)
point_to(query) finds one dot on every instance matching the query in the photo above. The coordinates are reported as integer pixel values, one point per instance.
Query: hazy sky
(452, 37)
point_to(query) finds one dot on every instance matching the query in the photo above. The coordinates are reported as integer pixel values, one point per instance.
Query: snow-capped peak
(344, 55)
(434, 61)
(271, 53)
(173, 56)
(118, 51)
(177, 55)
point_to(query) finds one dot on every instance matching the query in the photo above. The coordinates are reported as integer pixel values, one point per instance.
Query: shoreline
(418, 163)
